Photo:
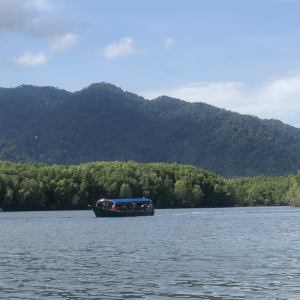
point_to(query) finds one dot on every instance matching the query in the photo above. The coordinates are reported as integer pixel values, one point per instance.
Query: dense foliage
(104, 123)
(261, 190)
(40, 186)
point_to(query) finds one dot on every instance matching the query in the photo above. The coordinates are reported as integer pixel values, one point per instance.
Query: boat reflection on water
(134, 207)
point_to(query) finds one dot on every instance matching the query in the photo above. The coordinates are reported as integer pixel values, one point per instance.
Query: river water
(222, 253)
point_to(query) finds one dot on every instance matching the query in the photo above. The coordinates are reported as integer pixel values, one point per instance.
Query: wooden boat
(135, 207)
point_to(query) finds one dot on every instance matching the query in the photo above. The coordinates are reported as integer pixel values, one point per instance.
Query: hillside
(104, 123)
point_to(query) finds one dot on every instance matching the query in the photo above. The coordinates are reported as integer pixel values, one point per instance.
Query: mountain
(104, 123)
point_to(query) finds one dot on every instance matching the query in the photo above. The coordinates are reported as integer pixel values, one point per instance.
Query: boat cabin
(126, 205)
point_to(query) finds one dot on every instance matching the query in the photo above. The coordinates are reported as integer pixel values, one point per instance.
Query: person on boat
(113, 207)
(134, 206)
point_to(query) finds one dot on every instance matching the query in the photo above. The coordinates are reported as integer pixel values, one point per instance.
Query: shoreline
(84, 209)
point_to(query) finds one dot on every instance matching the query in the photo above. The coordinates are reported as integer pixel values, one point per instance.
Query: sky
(241, 55)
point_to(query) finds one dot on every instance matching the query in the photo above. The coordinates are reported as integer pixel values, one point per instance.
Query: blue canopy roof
(133, 200)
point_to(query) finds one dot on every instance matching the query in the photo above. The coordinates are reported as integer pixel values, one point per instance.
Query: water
(226, 253)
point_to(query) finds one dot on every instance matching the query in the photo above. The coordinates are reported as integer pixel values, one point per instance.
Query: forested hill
(104, 123)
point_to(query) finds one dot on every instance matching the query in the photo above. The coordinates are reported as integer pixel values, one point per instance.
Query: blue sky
(239, 55)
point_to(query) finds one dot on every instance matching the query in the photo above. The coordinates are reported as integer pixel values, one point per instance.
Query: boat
(135, 207)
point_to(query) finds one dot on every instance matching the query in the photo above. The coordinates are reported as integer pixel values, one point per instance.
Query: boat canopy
(133, 200)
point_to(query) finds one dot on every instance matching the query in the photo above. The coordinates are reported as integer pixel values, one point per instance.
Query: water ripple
(216, 254)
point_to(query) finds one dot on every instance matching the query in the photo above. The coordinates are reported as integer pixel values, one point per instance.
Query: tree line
(37, 186)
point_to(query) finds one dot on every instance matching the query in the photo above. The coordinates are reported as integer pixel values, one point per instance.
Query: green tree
(125, 191)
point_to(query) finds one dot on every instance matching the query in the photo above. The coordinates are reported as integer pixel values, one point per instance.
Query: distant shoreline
(175, 208)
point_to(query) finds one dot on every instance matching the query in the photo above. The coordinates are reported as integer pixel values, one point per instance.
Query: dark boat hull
(100, 212)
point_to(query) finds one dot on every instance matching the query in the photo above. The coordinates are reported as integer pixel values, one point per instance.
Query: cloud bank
(278, 99)
(20, 16)
(13, 15)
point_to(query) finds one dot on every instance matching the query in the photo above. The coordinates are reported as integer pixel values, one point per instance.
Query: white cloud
(169, 42)
(37, 19)
(64, 42)
(278, 99)
(29, 59)
(123, 48)
(40, 4)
